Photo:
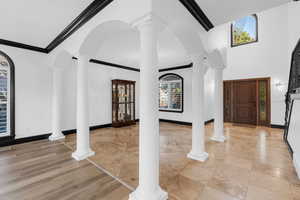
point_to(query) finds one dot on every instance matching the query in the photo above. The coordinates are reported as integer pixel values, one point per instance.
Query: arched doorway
(7, 104)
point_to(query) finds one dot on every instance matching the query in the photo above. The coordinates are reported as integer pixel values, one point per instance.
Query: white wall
(187, 115)
(100, 107)
(278, 31)
(32, 92)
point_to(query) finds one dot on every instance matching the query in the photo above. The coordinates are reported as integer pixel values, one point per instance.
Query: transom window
(244, 31)
(171, 93)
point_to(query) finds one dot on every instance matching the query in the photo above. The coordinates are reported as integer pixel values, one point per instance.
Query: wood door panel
(247, 101)
(245, 110)
(228, 102)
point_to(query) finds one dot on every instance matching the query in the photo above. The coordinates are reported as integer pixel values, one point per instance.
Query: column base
(218, 138)
(57, 137)
(159, 195)
(81, 156)
(199, 157)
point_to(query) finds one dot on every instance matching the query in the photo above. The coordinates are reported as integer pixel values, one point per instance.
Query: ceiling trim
(177, 68)
(101, 62)
(23, 46)
(198, 13)
(113, 65)
(94, 8)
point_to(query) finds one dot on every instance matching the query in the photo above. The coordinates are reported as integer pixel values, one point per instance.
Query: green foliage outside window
(244, 30)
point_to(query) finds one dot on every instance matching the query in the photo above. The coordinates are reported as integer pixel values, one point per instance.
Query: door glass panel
(263, 100)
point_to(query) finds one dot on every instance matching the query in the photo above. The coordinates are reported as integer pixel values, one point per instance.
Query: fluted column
(83, 149)
(198, 130)
(148, 188)
(219, 110)
(56, 104)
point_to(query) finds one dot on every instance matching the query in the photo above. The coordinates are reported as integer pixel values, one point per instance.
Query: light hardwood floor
(45, 170)
(253, 164)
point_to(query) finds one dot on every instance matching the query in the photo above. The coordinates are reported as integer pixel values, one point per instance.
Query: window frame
(6, 139)
(182, 94)
(231, 33)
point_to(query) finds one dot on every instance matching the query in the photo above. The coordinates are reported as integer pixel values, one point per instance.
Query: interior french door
(5, 129)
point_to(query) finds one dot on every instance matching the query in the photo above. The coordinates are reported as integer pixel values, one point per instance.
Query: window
(171, 93)
(244, 31)
(6, 97)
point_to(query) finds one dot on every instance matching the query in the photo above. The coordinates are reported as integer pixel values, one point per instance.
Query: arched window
(6, 98)
(171, 93)
(244, 31)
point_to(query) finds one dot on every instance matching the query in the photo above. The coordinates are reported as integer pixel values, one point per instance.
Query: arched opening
(7, 101)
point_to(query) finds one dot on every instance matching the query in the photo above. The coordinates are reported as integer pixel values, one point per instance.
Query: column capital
(200, 56)
(200, 62)
(220, 67)
(148, 19)
(83, 57)
(58, 69)
(216, 60)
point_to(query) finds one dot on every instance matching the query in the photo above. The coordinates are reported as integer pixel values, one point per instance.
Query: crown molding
(23, 46)
(101, 62)
(177, 68)
(193, 7)
(113, 65)
(94, 8)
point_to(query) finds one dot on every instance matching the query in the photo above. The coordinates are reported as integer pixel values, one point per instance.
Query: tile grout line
(103, 170)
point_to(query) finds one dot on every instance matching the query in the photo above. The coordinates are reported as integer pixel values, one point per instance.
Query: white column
(198, 131)
(56, 104)
(83, 149)
(148, 188)
(219, 110)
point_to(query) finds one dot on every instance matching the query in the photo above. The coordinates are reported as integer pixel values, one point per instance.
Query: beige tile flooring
(253, 164)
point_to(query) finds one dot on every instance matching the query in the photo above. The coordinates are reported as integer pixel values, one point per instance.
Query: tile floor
(253, 164)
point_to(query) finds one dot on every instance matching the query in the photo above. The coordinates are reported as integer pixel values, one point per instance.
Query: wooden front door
(244, 102)
(247, 101)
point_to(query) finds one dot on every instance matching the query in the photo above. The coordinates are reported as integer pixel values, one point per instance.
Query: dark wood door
(245, 102)
(228, 113)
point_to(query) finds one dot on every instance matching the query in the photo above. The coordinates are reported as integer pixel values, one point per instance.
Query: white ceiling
(37, 22)
(223, 11)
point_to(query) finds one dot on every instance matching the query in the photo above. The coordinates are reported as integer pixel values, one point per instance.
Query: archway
(149, 126)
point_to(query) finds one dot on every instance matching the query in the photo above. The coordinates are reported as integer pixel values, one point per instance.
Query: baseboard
(176, 122)
(46, 136)
(277, 126)
(24, 140)
(73, 131)
(183, 123)
(209, 121)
